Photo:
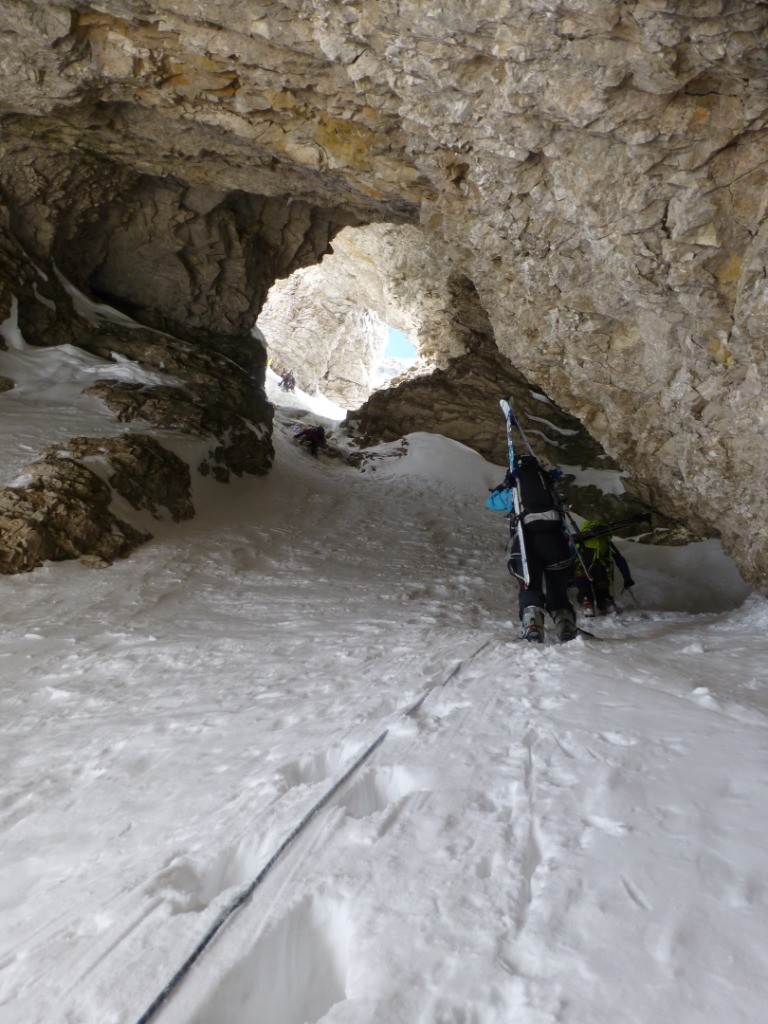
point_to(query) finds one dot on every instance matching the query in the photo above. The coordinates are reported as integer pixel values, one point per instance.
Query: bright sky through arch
(398, 346)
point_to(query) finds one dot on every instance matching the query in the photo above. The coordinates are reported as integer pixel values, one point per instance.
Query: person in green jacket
(598, 557)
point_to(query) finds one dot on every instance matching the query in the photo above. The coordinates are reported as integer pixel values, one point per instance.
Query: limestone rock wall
(331, 341)
(596, 170)
(330, 321)
(192, 261)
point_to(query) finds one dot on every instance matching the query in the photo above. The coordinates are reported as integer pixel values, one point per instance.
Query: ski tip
(589, 636)
(573, 634)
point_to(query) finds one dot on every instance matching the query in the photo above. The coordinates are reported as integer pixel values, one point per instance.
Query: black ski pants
(598, 589)
(550, 564)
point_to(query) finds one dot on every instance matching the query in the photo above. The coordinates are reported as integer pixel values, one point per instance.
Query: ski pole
(575, 528)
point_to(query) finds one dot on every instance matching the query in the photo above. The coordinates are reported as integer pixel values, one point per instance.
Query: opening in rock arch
(333, 323)
(399, 346)
(400, 356)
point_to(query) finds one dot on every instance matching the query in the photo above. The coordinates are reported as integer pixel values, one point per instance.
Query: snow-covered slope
(569, 834)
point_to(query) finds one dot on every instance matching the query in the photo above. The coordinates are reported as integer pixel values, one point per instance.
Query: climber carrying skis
(541, 555)
(593, 569)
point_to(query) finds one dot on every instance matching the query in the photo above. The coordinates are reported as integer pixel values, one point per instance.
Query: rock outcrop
(59, 507)
(141, 470)
(596, 171)
(219, 399)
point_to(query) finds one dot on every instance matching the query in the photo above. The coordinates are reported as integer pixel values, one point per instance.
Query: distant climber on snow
(313, 438)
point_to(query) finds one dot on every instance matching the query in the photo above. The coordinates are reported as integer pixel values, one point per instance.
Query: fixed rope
(456, 669)
(246, 893)
(242, 898)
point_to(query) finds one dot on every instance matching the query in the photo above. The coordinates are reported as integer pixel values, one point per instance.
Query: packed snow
(561, 835)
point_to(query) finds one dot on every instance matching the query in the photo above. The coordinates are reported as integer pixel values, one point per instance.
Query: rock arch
(596, 171)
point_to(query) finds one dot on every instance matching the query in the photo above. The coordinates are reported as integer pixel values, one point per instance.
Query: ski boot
(607, 606)
(588, 608)
(565, 625)
(532, 625)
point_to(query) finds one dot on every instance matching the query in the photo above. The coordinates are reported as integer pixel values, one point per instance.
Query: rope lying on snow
(246, 893)
(415, 707)
(243, 897)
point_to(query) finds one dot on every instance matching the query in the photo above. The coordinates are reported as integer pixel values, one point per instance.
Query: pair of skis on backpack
(511, 423)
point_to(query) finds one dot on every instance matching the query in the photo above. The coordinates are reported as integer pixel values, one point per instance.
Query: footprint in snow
(376, 790)
(295, 971)
(607, 825)
(617, 739)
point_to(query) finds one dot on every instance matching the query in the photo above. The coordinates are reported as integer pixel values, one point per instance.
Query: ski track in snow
(551, 836)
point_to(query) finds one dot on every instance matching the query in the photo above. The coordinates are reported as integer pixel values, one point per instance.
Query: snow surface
(556, 835)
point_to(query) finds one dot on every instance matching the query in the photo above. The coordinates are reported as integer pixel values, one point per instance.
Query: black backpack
(535, 488)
